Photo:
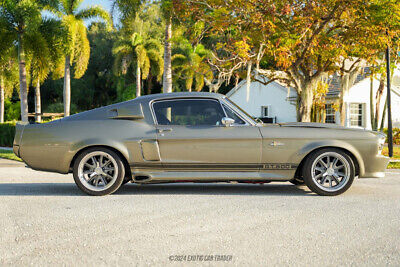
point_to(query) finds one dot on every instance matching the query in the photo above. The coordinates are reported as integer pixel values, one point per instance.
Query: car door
(191, 137)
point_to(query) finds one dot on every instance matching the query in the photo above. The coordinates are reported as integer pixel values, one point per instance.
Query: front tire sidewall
(111, 189)
(311, 183)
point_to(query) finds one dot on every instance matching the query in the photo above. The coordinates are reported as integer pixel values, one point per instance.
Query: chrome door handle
(164, 130)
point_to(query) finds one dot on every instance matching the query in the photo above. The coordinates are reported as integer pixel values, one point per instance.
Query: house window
(265, 110)
(330, 113)
(357, 114)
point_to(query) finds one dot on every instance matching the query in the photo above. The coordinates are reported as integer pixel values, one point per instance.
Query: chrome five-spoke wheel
(329, 172)
(98, 171)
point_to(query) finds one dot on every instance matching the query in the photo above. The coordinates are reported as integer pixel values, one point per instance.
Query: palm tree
(77, 48)
(144, 55)
(46, 56)
(189, 64)
(19, 18)
(8, 75)
(167, 78)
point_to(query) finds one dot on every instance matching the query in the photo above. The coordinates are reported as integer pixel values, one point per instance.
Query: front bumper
(376, 167)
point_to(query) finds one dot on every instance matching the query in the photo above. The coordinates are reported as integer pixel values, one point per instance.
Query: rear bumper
(16, 150)
(376, 167)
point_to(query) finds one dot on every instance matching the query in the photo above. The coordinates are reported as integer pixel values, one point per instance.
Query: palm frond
(94, 12)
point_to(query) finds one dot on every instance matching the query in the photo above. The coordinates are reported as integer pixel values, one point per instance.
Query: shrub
(12, 110)
(396, 135)
(59, 108)
(7, 132)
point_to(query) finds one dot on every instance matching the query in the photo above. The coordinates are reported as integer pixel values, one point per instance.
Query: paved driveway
(44, 219)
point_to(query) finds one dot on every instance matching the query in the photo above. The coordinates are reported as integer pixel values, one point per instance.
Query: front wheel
(99, 171)
(329, 172)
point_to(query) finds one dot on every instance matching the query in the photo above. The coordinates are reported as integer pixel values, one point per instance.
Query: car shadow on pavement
(70, 189)
(214, 189)
(39, 189)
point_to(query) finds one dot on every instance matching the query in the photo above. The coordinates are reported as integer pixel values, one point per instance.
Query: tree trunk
(371, 102)
(67, 87)
(379, 94)
(344, 84)
(305, 104)
(2, 99)
(138, 81)
(167, 76)
(149, 84)
(23, 89)
(38, 104)
(248, 81)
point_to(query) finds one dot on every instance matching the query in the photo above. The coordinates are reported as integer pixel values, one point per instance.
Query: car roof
(179, 95)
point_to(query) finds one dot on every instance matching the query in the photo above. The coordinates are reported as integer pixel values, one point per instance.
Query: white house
(277, 103)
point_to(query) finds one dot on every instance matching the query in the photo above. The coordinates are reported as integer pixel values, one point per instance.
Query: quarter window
(188, 112)
(233, 115)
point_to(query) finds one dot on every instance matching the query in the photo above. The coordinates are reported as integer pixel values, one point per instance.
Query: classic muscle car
(196, 137)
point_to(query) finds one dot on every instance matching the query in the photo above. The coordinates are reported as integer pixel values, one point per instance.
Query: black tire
(297, 181)
(318, 187)
(126, 180)
(118, 177)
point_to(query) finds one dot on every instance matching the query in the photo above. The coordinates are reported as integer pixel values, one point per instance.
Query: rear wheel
(99, 171)
(329, 172)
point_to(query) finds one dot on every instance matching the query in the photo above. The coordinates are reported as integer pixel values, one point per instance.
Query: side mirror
(227, 122)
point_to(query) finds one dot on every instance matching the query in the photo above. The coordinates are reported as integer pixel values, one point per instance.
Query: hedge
(7, 132)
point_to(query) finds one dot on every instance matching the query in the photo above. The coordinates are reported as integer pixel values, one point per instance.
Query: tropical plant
(8, 76)
(45, 50)
(189, 64)
(143, 54)
(20, 19)
(76, 45)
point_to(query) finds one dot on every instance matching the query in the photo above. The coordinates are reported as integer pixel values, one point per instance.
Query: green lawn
(8, 154)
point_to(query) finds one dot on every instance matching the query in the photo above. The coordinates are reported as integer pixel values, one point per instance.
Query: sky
(106, 4)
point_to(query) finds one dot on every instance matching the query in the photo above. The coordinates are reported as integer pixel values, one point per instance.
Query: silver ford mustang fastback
(196, 137)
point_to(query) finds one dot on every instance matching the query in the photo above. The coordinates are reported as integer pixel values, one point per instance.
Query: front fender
(308, 148)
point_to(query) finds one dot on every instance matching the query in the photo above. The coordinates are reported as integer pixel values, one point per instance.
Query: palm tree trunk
(138, 81)
(149, 84)
(2, 100)
(38, 104)
(67, 87)
(167, 77)
(23, 89)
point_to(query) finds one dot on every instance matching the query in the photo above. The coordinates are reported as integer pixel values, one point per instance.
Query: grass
(8, 154)
(394, 165)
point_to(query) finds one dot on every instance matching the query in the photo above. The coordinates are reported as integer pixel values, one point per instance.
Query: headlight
(381, 144)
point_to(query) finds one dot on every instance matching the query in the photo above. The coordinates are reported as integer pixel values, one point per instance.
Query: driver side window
(188, 112)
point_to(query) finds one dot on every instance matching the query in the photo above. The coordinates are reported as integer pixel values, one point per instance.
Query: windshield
(240, 109)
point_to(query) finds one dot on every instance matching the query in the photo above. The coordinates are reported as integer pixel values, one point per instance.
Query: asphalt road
(45, 220)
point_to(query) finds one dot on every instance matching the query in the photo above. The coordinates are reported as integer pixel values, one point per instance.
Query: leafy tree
(189, 63)
(298, 41)
(18, 20)
(76, 45)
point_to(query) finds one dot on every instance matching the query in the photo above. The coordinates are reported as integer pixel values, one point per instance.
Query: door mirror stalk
(227, 122)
